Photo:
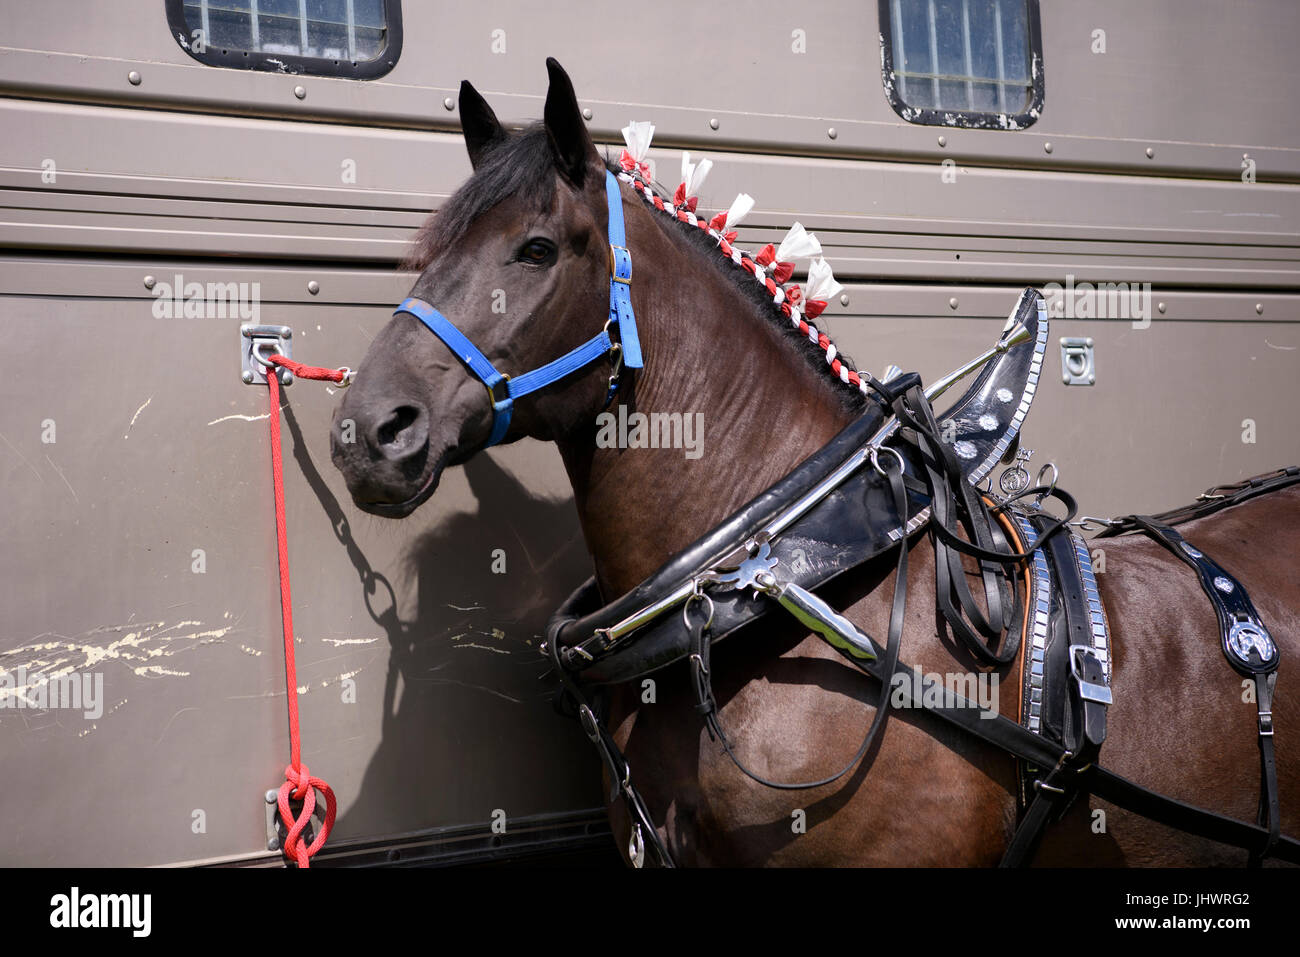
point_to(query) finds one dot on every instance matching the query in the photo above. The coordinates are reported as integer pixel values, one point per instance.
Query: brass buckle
(504, 384)
(614, 277)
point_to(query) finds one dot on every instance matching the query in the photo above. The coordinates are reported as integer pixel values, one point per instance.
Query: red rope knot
(300, 785)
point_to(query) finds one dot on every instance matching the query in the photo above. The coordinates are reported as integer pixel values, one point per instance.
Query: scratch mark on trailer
(51, 656)
(470, 644)
(127, 434)
(20, 455)
(465, 684)
(75, 498)
(1283, 348)
(168, 725)
(246, 418)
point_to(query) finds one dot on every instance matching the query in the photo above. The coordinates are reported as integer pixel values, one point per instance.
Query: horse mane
(522, 163)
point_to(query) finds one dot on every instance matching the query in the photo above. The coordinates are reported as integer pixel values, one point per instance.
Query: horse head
(518, 262)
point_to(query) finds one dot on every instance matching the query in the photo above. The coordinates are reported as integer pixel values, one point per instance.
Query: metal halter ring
(348, 376)
(256, 355)
(875, 463)
(697, 595)
(1038, 499)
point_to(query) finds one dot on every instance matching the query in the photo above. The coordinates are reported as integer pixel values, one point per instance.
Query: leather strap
(707, 705)
(620, 773)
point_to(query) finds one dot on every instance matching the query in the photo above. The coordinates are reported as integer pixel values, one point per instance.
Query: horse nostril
(396, 431)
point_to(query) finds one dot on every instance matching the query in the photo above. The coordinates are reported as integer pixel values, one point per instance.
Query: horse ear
(479, 123)
(575, 153)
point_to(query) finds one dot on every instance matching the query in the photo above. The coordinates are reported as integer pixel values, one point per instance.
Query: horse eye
(536, 251)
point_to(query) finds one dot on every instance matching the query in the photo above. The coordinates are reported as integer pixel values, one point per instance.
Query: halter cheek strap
(502, 389)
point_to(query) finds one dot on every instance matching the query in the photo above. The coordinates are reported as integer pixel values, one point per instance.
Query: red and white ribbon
(637, 136)
(723, 224)
(693, 175)
(797, 244)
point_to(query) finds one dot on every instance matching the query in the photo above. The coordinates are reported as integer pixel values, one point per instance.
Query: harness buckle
(613, 264)
(504, 385)
(1089, 689)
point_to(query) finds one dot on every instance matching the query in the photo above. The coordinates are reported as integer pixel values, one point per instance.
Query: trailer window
(973, 63)
(351, 38)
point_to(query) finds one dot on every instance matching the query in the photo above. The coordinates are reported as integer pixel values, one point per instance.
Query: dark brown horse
(529, 229)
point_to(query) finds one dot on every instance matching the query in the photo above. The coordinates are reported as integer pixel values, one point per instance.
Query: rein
(625, 350)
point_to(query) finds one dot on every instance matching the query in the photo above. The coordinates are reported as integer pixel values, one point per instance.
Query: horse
(528, 229)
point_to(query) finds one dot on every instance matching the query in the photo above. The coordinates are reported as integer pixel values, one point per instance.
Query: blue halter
(502, 389)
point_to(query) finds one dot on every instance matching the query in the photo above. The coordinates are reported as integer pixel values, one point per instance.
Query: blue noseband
(502, 389)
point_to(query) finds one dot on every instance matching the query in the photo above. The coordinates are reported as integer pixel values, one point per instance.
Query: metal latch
(263, 341)
(1077, 365)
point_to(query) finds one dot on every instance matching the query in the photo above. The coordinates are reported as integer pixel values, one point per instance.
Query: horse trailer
(175, 169)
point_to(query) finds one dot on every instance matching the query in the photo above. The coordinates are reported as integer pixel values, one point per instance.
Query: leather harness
(831, 515)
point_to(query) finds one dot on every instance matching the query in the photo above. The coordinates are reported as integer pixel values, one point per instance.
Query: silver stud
(713, 123)
(943, 141)
(1259, 308)
(1047, 147)
(1223, 584)
(1150, 153)
(1160, 306)
(300, 92)
(272, 845)
(832, 133)
(313, 287)
(844, 299)
(133, 78)
(952, 303)
(248, 378)
(149, 282)
(449, 103)
(586, 114)
(272, 796)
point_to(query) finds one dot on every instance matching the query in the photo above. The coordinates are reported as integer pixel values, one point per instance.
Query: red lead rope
(298, 780)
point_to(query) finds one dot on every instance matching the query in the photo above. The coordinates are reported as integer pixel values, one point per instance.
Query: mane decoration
(772, 267)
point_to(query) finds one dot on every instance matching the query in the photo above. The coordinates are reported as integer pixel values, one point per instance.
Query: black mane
(522, 164)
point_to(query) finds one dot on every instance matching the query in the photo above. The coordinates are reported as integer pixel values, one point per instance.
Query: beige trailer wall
(223, 175)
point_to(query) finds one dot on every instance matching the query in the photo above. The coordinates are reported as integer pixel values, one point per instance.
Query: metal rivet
(272, 796)
(1092, 380)
(1160, 306)
(149, 282)
(943, 141)
(1088, 342)
(272, 845)
(1150, 153)
(1259, 308)
(449, 103)
(844, 299)
(952, 303)
(1047, 147)
(586, 114)
(313, 287)
(300, 92)
(832, 133)
(133, 78)
(713, 123)
(248, 380)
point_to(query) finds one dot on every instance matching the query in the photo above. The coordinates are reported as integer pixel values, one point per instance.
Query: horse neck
(712, 354)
